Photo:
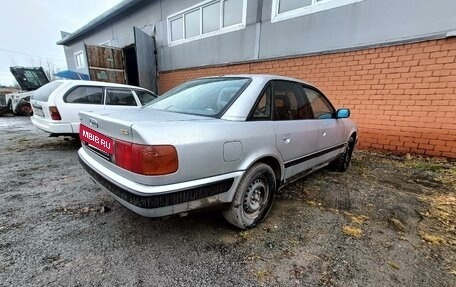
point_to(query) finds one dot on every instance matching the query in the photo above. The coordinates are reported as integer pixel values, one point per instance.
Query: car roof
(263, 77)
(96, 83)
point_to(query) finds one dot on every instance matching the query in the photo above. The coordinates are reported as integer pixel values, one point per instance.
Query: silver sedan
(230, 140)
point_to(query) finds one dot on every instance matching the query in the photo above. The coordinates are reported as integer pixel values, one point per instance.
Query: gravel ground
(388, 221)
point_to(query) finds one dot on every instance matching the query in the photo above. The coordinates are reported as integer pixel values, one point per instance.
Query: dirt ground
(388, 221)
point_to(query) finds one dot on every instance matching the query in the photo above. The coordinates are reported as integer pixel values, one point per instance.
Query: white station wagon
(56, 105)
(230, 140)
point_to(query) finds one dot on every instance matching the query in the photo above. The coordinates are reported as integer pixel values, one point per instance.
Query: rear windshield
(42, 94)
(203, 97)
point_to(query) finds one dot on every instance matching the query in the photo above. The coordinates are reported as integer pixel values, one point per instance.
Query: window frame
(77, 64)
(200, 6)
(135, 92)
(270, 85)
(106, 89)
(251, 117)
(83, 86)
(313, 8)
(274, 114)
(323, 96)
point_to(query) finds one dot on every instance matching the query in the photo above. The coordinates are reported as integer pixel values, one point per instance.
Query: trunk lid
(113, 128)
(152, 115)
(120, 125)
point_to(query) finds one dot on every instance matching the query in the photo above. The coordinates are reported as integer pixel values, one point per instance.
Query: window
(288, 5)
(208, 18)
(192, 27)
(231, 15)
(321, 107)
(177, 31)
(118, 97)
(145, 97)
(286, 9)
(79, 59)
(43, 93)
(85, 95)
(290, 102)
(211, 17)
(262, 110)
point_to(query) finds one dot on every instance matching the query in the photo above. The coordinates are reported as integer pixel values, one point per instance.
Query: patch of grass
(448, 176)
(313, 203)
(245, 235)
(403, 237)
(424, 164)
(261, 275)
(294, 242)
(393, 265)
(355, 218)
(355, 232)
(397, 224)
(442, 209)
(432, 239)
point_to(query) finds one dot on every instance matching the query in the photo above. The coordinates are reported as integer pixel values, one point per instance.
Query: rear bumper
(157, 201)
(53, 127)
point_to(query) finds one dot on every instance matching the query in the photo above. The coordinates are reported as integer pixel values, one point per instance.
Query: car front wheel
(253, 198)
(342, 162)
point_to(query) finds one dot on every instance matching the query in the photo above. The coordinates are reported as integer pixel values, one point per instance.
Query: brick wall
(402, 97)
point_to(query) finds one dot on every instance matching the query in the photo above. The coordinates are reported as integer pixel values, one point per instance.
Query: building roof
(122, 7)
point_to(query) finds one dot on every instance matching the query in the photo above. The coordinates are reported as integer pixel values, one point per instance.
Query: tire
(24, 109)
(342, 162)
(253, 198)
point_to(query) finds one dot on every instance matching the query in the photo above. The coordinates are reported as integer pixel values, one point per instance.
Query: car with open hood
(29, 79)
(231, 141)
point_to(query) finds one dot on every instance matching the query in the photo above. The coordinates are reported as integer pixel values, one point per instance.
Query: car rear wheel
(253, 198)
(342, 162)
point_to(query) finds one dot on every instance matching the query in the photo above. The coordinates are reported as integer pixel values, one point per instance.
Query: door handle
(286, 140)
(324, 133)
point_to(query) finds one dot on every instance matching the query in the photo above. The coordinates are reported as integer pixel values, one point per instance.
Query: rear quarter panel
(200, 146)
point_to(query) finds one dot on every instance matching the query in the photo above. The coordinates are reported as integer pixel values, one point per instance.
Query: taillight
(123, 154)
(55, 115)
(146, 159)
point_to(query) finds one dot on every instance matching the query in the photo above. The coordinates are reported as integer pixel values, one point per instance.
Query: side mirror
(343, 113)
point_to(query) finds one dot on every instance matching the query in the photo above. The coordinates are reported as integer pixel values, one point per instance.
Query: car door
(330, 138)
(119, 99)
(78, 99)
(296, 131)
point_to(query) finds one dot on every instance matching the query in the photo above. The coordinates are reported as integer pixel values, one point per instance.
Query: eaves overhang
(108, 16)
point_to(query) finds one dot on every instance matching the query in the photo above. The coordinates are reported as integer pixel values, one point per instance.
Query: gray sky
(29, 30)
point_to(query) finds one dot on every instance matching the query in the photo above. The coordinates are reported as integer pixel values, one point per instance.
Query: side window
(290, 103)
(119, 97)
(85, 95)
(145, 97)
(321, 107)
(262, 111)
